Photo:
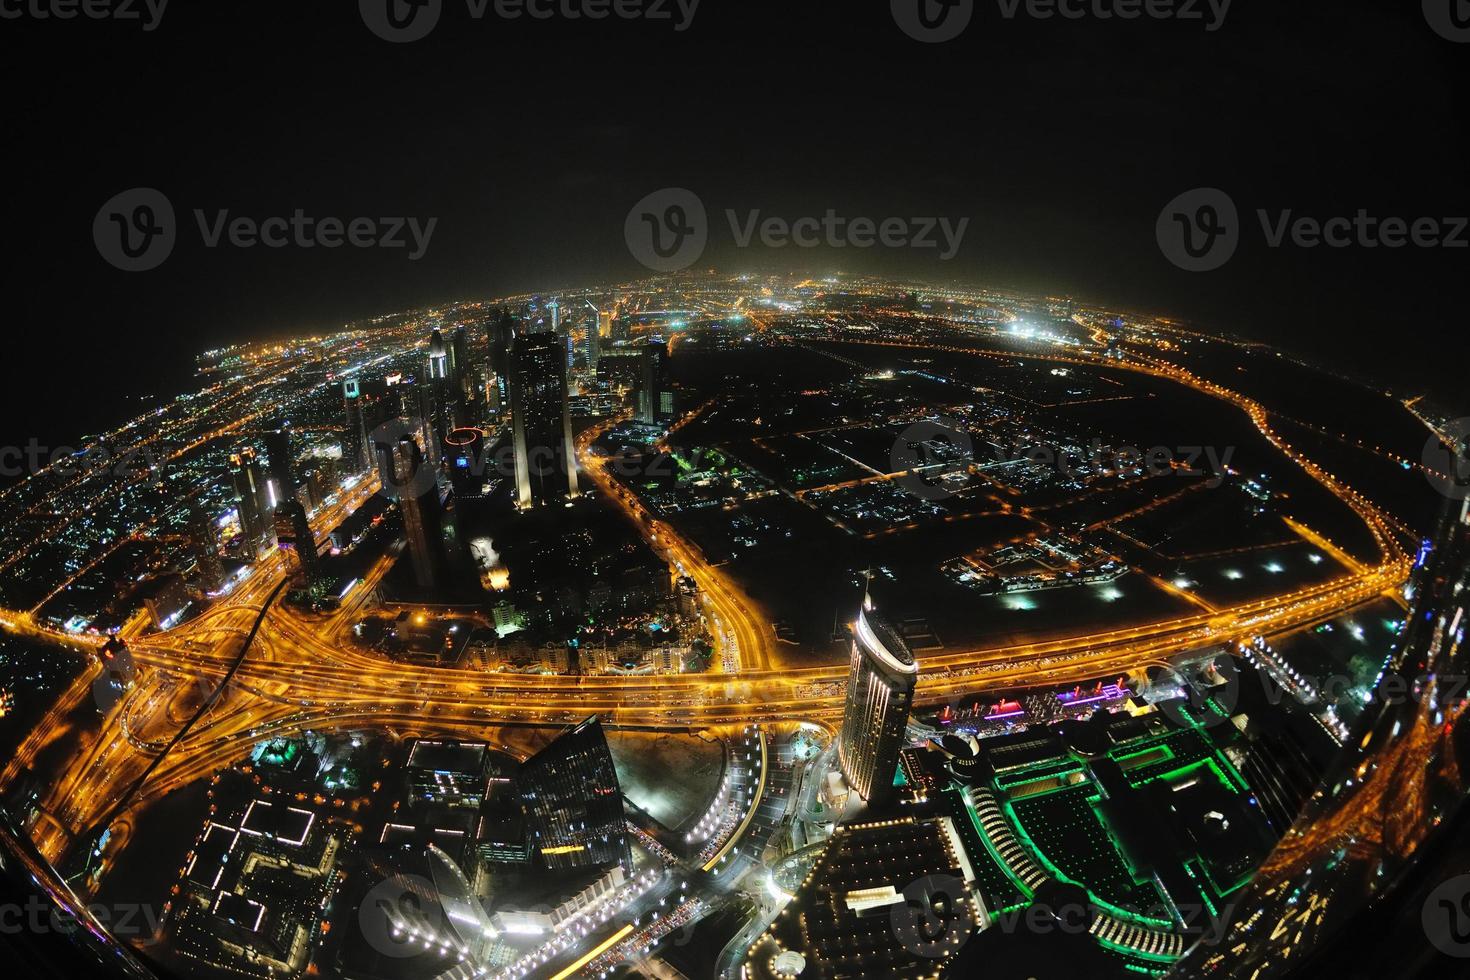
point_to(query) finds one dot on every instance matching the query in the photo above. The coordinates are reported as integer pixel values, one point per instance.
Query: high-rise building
(461, 373)
(593, 340)
(356, 454)
(205, 545)
(541, 419)
(880, 693)
(501, 332)
(464, 456)
(433, 426)
(423, 516)
(251, 499)
(655, 397)
(438, 366)
(572, 802)
(1364, 874)
(278, 457)
(293, 532)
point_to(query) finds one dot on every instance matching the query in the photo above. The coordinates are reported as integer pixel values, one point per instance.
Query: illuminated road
(302, 675)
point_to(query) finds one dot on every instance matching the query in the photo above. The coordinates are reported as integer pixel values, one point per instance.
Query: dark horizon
(1059, 140)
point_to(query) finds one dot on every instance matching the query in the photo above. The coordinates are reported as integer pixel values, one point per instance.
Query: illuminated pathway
(301, 676)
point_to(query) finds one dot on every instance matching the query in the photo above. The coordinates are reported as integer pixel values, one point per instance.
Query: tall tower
(541, 420)
(880, 693)
(355, 449)
(654, 397)
(594, 337)
(572, 803)
(438, 366)
(502, 332)
(464, 457)
(460, 372)
(251, 496)
(278, 457)
(423, 518)
(205, 545)
(293, 531)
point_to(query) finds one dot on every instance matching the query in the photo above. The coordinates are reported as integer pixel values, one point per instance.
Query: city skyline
(673, 490)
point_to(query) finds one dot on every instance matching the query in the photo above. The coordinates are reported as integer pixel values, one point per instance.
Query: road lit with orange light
(303, 673)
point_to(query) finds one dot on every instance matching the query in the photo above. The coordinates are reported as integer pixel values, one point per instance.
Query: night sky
(530, 141)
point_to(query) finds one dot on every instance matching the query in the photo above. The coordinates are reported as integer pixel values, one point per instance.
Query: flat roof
(459, 757)
(286, 824)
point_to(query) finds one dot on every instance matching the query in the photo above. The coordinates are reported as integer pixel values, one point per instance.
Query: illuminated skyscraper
(438, 366)
(501, 332)
(594, 338)
(880, 693)
(294, 533)
(205, 545)
(278, 457)
(423, 517)
(251, 499)
(541, 419)
(356, 452)
(655, 397)
(1369, 870)
(464, 457)
(428, 398)
(460, 373)
(572, 802)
